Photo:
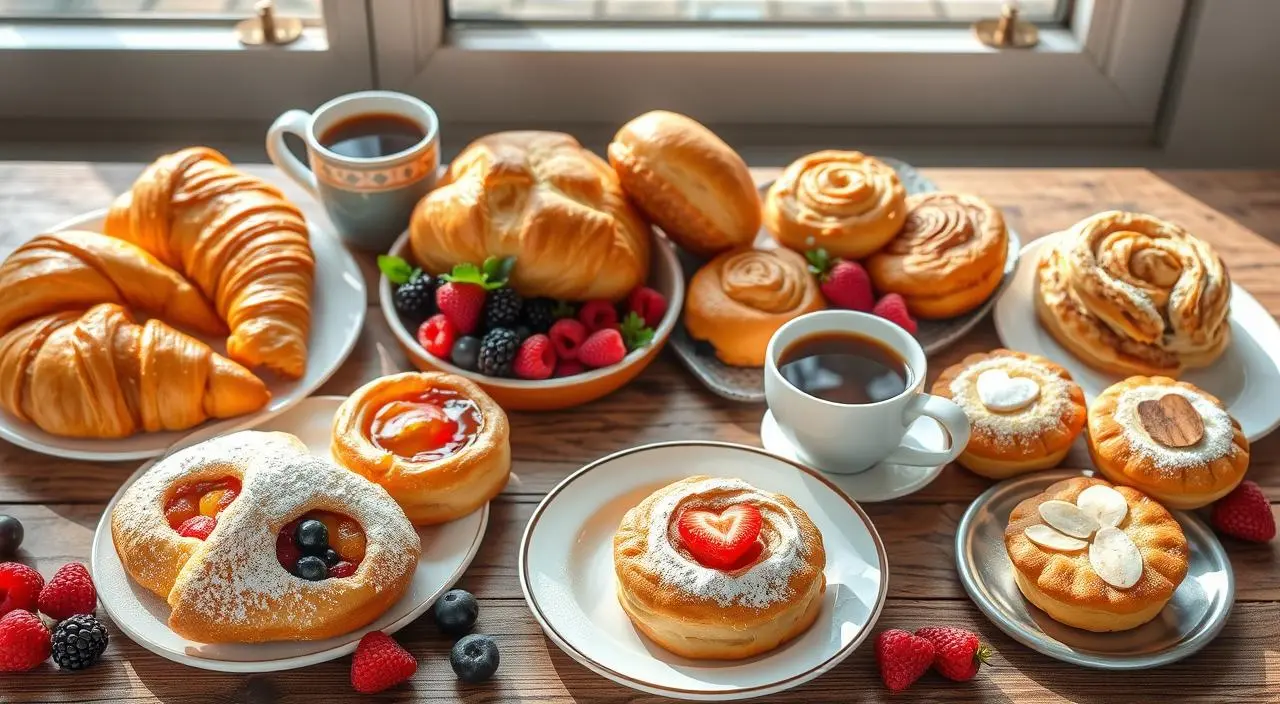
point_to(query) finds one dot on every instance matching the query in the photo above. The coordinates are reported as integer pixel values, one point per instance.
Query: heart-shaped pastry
(1171, 421)
(1002, 393)
(720, 540)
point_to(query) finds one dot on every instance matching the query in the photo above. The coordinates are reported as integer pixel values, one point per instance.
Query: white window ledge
(145, 36)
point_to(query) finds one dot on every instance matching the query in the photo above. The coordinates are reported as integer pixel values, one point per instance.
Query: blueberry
(466, 352)
(10, 536)
(456, 612)
(331, 557)
(311, 568)
(474, 658)
(312, 537)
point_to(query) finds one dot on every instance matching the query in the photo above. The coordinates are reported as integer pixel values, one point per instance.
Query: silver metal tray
(746, 384)
(1193, 617)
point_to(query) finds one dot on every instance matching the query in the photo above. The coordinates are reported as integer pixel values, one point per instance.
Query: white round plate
(1246, 377)
(566, 572)
(882, 482)
(447, 550)
(338, 302)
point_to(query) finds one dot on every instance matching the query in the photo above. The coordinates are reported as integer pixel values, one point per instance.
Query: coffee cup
(846, 438)
(368, 190)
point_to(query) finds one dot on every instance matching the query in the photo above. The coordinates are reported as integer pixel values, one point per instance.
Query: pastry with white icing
(1168, 438)
(1096, 556)
(717, 569)
(1024, 411)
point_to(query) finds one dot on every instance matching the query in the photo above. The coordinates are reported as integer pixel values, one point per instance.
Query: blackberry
(502, 308)
(539, 314)
(497, 352)
(416, 299)
(78, 642)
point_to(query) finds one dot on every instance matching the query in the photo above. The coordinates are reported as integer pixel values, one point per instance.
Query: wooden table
(60, 501)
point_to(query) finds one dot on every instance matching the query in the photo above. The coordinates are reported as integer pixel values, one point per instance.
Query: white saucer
(447, 550)
(883, 481)
(567, 575)
(338, 303)
(1246, 377)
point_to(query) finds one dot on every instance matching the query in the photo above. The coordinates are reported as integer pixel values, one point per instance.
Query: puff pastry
(436, 442)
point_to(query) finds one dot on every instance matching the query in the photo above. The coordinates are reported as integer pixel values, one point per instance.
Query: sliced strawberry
(720, 540)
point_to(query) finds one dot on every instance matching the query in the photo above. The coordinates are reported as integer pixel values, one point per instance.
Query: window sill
(71, 36)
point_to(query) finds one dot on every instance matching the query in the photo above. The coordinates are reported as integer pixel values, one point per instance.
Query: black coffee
(372, 135)
(844, 367)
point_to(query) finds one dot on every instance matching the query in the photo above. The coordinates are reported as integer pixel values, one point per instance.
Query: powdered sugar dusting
(1219, 435)
(1030, 421)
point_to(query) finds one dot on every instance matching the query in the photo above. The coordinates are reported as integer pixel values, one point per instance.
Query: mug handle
(291, 122)
(949, 415)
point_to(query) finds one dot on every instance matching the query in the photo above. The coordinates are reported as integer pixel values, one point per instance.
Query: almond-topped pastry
(1168, 438)
(717, 569)
(1024, 411)
(436, 442)
(1096, 556)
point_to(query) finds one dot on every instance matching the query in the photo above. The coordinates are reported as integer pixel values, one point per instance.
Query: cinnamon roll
(739, 299)
(949, 257)
(1130, 293)
(847, 203)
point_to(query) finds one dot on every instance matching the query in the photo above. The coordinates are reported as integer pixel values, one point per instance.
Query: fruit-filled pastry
(1096, 556)
(436, 442)
(718, 569)
(1169, 439)
(249, 539)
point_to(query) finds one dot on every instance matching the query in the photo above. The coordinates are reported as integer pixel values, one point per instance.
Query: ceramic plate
(746, 384)
(566, 572)
(447, 550)
(1194, 616)
(338, 303)
(1246, 377)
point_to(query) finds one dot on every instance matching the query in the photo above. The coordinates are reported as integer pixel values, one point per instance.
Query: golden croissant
(97, 374)
(237, 239)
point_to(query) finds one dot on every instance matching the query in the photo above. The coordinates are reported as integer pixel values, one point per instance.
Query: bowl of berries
(527, 353)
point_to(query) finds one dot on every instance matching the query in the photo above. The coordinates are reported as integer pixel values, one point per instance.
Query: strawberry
(567, 334)
(957, 653)
(720, 540)
(536, 358)
(198, 527)
(893, 307)
(648, 304)
(380, 663)
(461, 298)
(69, 592)
(569, 367)
(19, 587)
(24, 642)
(843, 283)
(1245, 513)
(902, 658)
(436, 335)
(604, 348)
(598, 315)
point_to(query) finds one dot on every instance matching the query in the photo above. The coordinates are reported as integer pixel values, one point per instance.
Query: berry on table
(312, 537)
(455, 612)
(79, 642)
(24, 641)
(466, 352)
(436, 335)
(569, 367)
(539, 314)
(598, 315)
(893, 307)
(648, 304)
(474, 658)
(380, 663)
(11, 535)
(604, 348)
(200, 527)
(902, 657)
(957, 653)
(502, 308)
(311, 568)
(19, 587)
(843, 283)
(69, 592)
(1245, 513)
(536, 358)
(567, 334)
(497, 352)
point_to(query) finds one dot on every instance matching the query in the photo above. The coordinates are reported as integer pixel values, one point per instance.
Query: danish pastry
(1094, 556)
(436, 442)
(1168, 439)
(1024, 411)
(948, 258)
(234, 533)
(718, 569)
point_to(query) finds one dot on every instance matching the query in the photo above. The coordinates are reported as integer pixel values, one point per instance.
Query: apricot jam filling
(431, 426)
(194, 509)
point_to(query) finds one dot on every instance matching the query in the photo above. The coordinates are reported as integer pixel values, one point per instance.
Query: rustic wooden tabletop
(60, 501)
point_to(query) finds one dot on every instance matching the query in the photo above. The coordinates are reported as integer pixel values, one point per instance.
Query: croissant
(238, 239)
(73, 270)
(97, 374)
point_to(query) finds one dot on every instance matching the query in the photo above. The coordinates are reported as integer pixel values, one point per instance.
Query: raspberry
(894, 309)
(19, 587)
(648, 304)
(598, 315)
(24, 642)
(957, 653)
(198, 527)
(1245, 513)
(69, 592)
(604, 348)
(567, 335)
(536, 358)
(436, 336)
(380, 663)
(569, 367)
(342, 569)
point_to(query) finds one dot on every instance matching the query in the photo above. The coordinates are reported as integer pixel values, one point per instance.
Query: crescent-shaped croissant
(98, 374)
(238, 239)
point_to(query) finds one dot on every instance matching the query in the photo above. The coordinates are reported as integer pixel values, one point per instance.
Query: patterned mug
(368, 198)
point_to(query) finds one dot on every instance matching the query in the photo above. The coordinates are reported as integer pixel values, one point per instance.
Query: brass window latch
(268, 28)
(1007, 31)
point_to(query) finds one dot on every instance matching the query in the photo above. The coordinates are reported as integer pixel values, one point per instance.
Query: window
(774, 11)
(149, 9)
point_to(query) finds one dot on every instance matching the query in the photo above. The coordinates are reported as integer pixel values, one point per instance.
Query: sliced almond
(1115, 558)
(1104, 505)
(1068, 518)
(1046, 537)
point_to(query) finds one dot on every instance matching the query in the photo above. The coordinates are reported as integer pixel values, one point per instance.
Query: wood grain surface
(60, 501)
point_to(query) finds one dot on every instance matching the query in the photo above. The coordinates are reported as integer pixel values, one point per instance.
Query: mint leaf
(635, 334)
(397, 270)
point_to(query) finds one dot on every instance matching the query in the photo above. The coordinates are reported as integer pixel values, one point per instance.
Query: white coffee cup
(848, 438)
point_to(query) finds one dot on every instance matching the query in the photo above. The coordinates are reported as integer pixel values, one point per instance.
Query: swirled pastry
(948, 258)
(1169, 439)
(718, 569)
(1094, 556)
(436, 442)
(1024, 411)
(739, 299)
(847, 203)
(1133, 294)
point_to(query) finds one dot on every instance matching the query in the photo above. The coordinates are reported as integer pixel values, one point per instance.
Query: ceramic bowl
(665, 276)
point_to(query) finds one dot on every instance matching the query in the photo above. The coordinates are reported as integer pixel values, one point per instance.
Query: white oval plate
(338, 302)
(1246, 377)
(447, 550)
(566, 572)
